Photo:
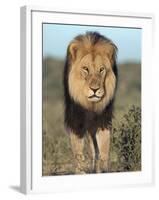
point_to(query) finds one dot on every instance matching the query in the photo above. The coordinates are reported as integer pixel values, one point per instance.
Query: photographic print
(86, 100)
(91, 99)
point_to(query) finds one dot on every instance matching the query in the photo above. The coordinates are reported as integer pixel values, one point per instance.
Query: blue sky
(56, 38)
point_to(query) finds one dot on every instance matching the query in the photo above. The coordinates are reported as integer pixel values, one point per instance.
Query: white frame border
(27, 173)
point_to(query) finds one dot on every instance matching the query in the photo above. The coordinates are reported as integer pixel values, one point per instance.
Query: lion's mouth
(94, 98)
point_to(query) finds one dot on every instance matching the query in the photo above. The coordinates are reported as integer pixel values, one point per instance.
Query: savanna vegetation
(125, 154)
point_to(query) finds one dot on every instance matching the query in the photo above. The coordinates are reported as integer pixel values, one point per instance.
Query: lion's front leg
(91, 153)
(103, 141)
(77, 145)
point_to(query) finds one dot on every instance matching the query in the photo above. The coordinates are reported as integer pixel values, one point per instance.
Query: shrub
(126, 142)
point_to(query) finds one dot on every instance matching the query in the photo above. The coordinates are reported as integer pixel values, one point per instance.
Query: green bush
(126, 142)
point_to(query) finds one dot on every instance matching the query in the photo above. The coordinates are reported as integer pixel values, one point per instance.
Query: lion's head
(91, 78)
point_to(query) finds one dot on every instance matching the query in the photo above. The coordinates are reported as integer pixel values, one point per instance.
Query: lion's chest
(81, 121)
(90, 122)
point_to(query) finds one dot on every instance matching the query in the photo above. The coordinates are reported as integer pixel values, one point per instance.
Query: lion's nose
(94, 89)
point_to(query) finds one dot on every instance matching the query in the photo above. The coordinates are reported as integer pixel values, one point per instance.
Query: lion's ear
(73, 48)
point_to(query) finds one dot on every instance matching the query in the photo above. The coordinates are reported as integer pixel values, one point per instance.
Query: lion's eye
(101, 69)
(85, 69)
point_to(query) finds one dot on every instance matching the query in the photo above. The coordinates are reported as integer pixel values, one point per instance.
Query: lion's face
(92, 72)
(91, 78)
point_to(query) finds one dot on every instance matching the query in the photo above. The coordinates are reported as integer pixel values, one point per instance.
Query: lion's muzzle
(95, 95)
(95, 91)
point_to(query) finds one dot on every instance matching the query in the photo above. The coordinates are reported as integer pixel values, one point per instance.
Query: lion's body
(90, 78)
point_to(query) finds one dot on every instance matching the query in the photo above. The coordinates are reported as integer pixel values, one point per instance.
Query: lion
(90, 80)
